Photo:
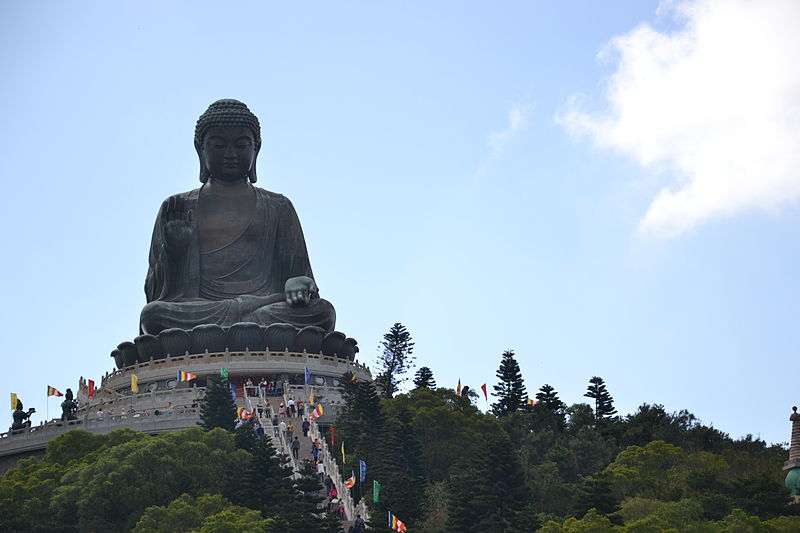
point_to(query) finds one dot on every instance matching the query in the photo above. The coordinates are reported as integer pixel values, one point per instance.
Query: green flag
(224, 372)
(376, 491)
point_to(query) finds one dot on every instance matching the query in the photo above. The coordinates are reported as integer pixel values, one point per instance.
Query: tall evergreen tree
(510, 392)
(424, 378)
(603, 402)
(400, 469)
(395, 359)
(217, 409)
(489, 493)
(550, 412)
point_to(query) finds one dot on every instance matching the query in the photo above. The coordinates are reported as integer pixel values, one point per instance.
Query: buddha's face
(228, 152)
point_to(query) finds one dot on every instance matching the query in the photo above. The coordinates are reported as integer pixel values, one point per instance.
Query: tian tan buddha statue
(230, 252)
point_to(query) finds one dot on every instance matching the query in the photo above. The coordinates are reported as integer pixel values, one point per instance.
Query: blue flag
(363, 471)
(233, 392)
(308, 377)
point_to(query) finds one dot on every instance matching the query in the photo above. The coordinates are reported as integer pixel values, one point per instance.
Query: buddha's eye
(243, 146)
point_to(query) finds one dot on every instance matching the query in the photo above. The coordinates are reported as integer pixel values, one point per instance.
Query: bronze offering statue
(21, 418)
(230, 252)
(69, 406)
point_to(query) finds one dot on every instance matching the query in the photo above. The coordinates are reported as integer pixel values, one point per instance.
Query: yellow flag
(344, 458)
(13, 401)
(134, 383)
(311, 396)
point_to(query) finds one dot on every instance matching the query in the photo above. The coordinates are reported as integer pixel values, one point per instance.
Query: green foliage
(204, 514)
(218, 410)
(424, 378)
(488, 493)
(448, 427)
(510, 392)
(603, 402)
(395, 359)
(592, 522)
(108, 480)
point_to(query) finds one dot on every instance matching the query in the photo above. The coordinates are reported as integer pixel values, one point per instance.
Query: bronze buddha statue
(229, 251)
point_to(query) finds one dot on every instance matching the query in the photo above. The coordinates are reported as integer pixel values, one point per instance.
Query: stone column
(793, 464)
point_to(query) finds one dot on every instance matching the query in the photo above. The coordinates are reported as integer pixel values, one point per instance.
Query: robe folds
(191, 288)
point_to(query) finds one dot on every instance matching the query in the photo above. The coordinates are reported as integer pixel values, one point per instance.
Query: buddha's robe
(194, 288)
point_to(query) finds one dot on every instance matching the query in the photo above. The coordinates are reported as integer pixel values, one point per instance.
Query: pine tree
(603, 402)
(550, 412)
(510, 391)
(265, 483)
(489, 493)
(217, 409)
(400, 469)
(423, 379)
(395, 359)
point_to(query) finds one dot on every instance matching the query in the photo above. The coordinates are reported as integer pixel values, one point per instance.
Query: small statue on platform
(21, 418)
(230, 252)
(69, 407)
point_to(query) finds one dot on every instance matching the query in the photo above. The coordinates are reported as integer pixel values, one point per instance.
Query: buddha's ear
(203, 172)
(252, 173)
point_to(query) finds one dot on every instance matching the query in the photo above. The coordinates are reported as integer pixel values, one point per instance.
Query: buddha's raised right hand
(177, 226)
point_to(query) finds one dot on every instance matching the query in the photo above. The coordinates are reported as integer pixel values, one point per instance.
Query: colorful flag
(13, 401)
(376, 491)
(396, 524)
(531, 401)
(134, 383)
(351, 481)
(316, 413)
(52, 391)
(223, 372)
(344, 457)
(233, 392)
(352, 378)
(485, 394)
(333, 435)
(308, 377)
(362, 471)
(458, 388)
(185, 376)
(243, 413)
(311, 396)
(91, 388)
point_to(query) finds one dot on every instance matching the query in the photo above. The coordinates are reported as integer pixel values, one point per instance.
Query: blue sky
(606, 188)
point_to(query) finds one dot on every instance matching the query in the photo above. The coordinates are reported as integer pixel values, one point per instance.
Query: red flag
(485, 395)
(333, 435)
(91, 388)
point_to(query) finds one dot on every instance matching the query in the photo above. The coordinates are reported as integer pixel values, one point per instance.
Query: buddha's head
(227, 139)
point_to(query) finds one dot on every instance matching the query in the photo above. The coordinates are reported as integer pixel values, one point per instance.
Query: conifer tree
(424, 378)
(395, 359)
(400, 469)
(217, 409)
(603, 402)
(510, 391)
(489, 493)
(550, 412)
(265, 483)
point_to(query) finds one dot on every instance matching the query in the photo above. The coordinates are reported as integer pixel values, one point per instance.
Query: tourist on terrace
(282, 410)
(306, 426)
(301, 408)
(292, 406)
(296, 448)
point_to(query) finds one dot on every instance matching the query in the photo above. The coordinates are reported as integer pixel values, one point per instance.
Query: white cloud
(715, 104)
(517, 120)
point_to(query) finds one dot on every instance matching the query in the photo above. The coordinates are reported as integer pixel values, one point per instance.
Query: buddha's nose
(230, 152)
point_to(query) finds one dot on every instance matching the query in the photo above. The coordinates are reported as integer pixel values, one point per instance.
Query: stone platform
(165, 404)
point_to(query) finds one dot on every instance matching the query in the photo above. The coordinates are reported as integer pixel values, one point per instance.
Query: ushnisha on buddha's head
(227, 139)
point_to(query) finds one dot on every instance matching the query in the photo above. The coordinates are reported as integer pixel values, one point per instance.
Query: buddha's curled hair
(227, 112)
